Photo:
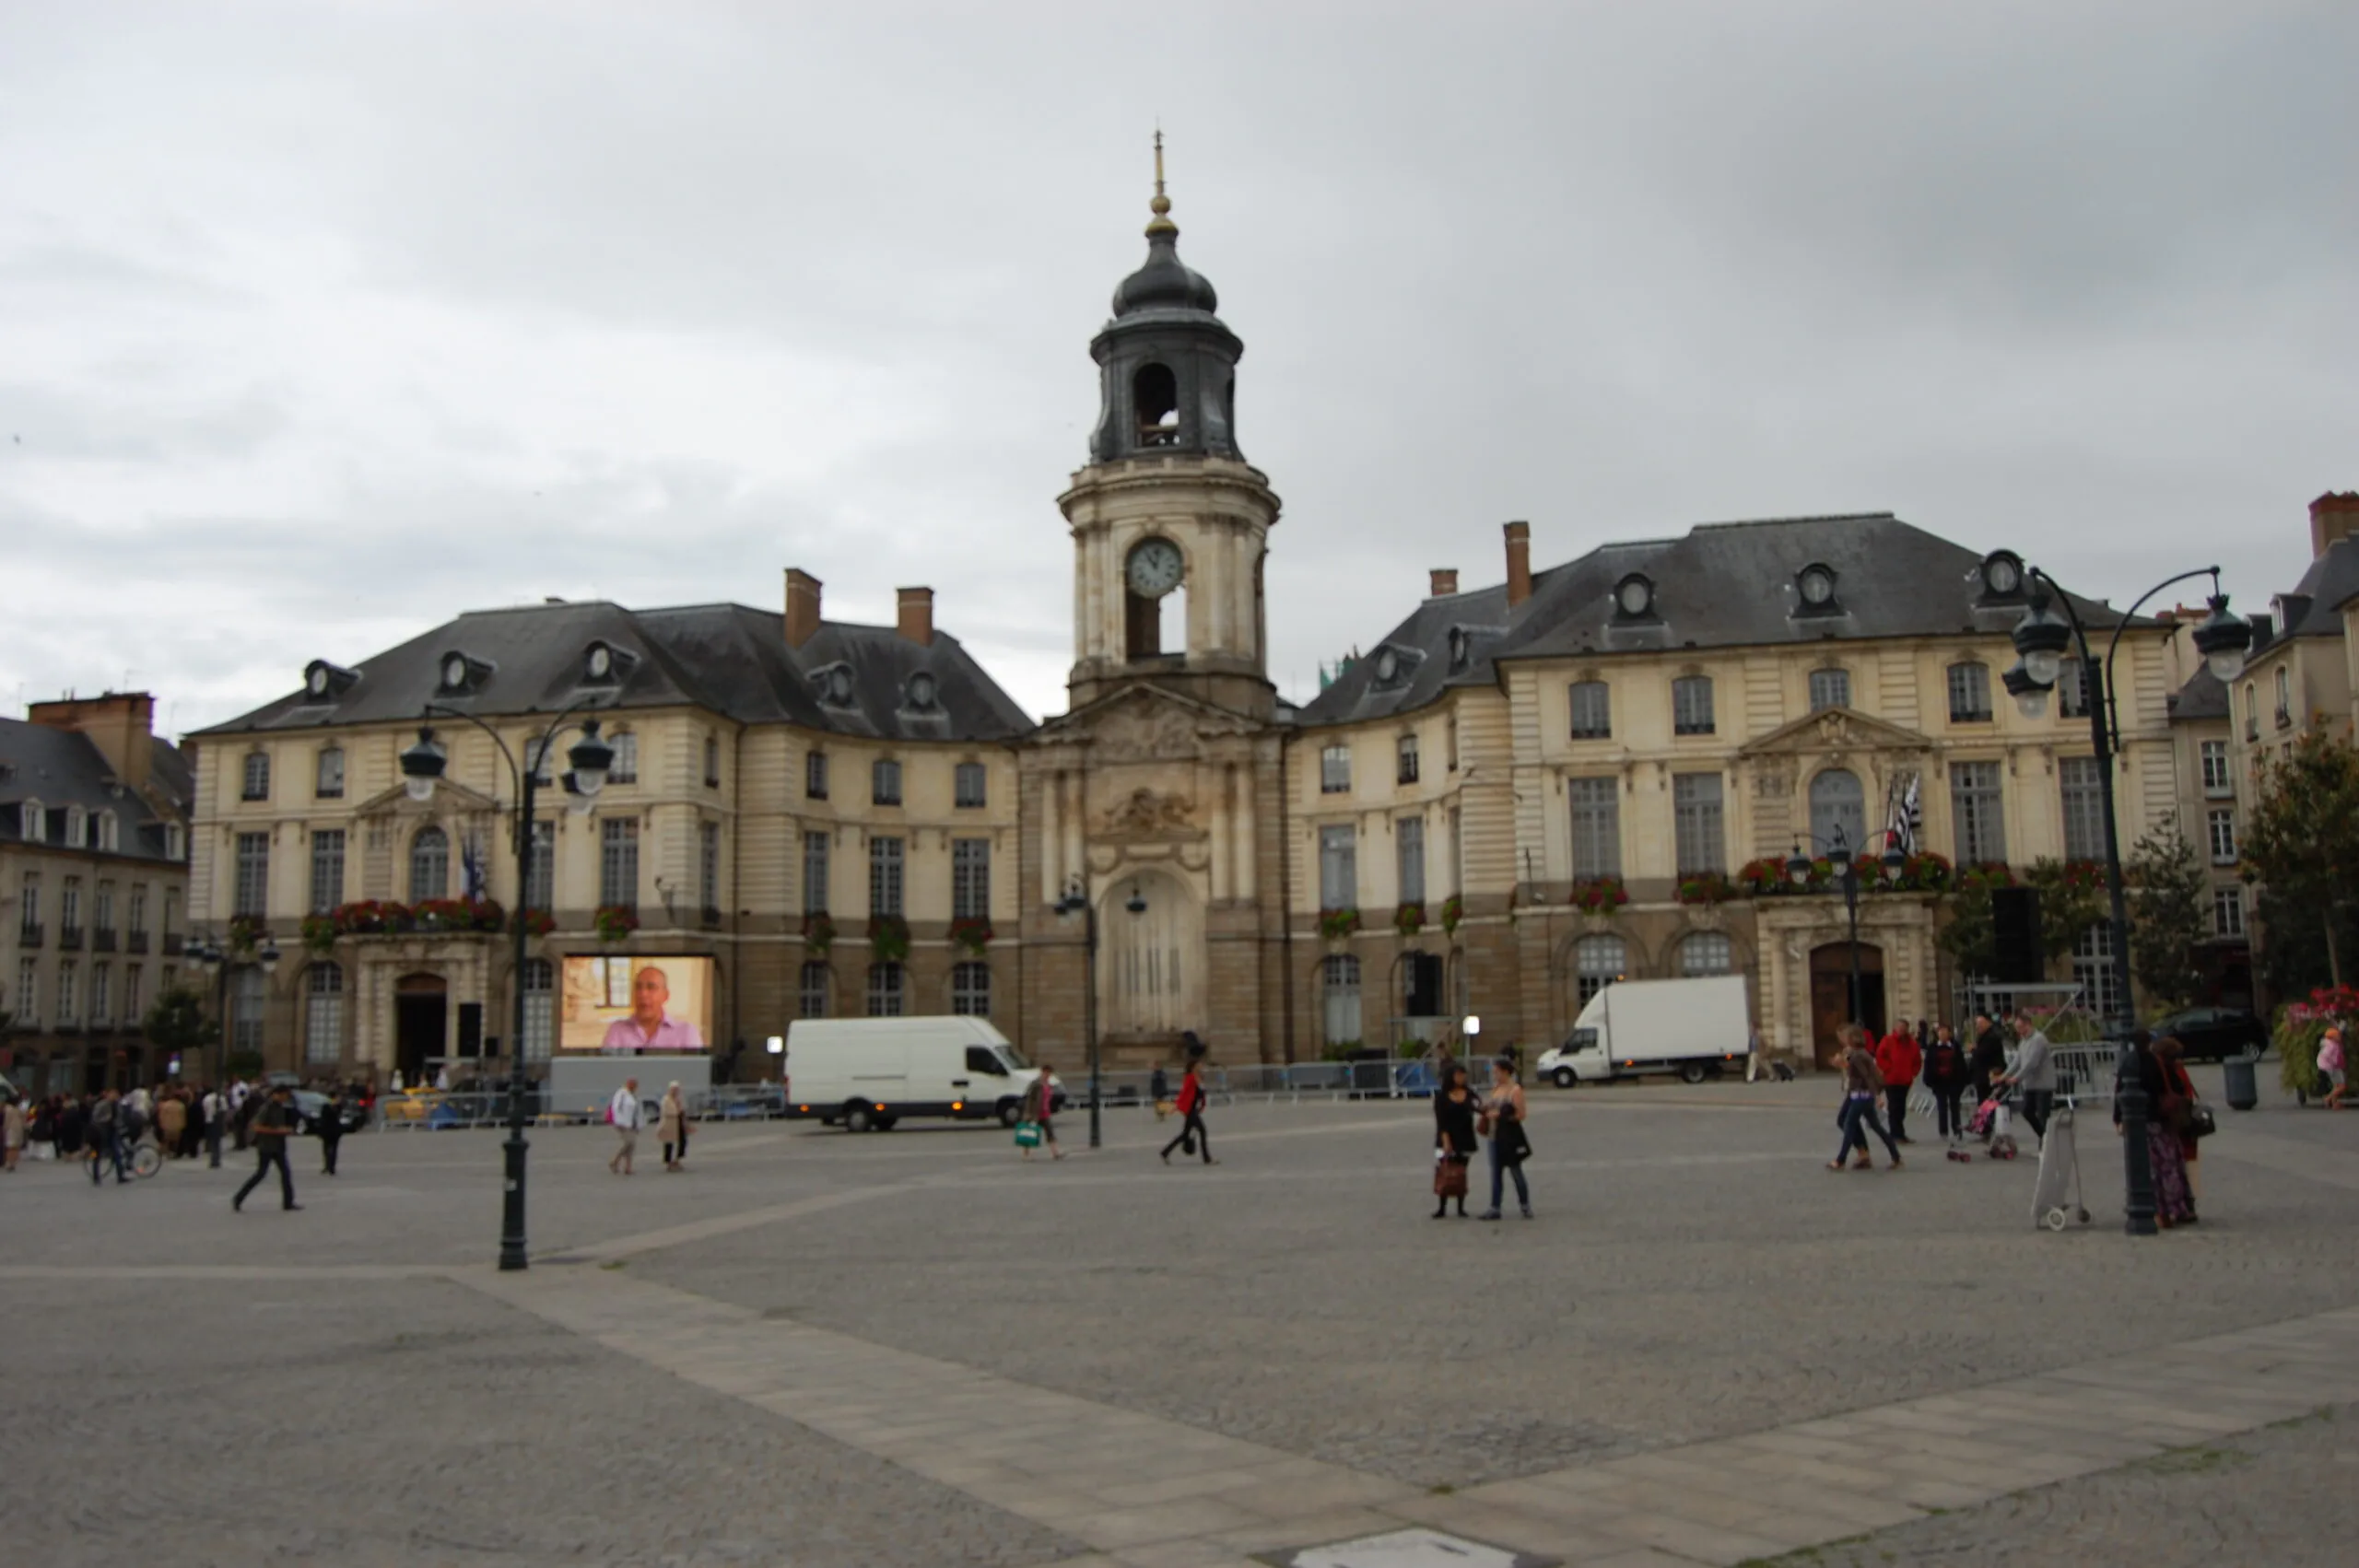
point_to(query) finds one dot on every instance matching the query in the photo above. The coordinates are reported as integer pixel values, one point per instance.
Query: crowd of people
(180, 1121)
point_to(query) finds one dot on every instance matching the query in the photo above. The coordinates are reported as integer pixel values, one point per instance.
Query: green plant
(1599, 895)
(2299, 1028)
(818, 932)
(177, 1022)
(1339, 1050)
(1453, 910)
(972, 932)
(1336, 924)
(2301, 843)
(2170, 913)
(614, 922)
(246, 933)
(888, 938)
(536, 922)
(1704, 888)
(1409, 918)
(318, 932)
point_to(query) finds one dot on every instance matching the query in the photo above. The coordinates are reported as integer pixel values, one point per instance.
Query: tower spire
(1160, 223)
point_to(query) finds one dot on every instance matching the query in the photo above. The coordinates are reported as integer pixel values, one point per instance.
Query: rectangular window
(1405, 764)
(712, 762)
(246, 1011)
(969, 782)
(884, 782)
(2217, 779)
(1592, 711)
(2082, 787)
(102, 909)
(323, 1014)
(1457, 851)
(970, 992)
(101, 994)
(328, 782)
(884, 877)
(1691, 705)
(1339, 987)
(253, 887)
(2094, 971)
(814, 776)
(28, 993)
(2072, 689)
(815, 873)
(1976, 813)
(540, 888)
(886, 986)
(540, 1008)
(138, 908)
(2284, 698)
(1695, 823)
(618, 861)
(69, 905)
(69, 998)
(28, 907)
(624, 769)
(32, 823)
(1339, 881)
(2223, 827)
(1409, 845)
(1597, 827)
(327, 869)
(256, 784)
(1335, 770)
(133, 1011)
(538, 751)
(970, 879)
(1969, 693)
(1829, 688)
(811, 989)
(709, 869)
(2228, 911)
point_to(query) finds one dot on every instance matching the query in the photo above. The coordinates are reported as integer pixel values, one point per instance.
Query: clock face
(602, 663)
(1155, 569)
(454, 671)
(1634, 596)
(319, 683)
(1817, 587)
(2005, 576)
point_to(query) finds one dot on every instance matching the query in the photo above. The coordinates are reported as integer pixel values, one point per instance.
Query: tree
(2170, 912)
(177, 1024)
(2072, 897)
(2301, 843)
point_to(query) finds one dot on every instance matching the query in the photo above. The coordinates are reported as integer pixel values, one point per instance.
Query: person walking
(1158, 1089)
(1898, 1057)
(330, 1128)
(624, 1113)
(103, 1133)
(1455, 1112)
(1861, 1083)
(1989, 1057)
(1039, 1105)
(273, 1123)
(2332, 1066)
(172, 1121)
(12, 1130)
(1191, 1107)
(1502, 1117)
(2173, 1203)
(1753, 1053)
(1945, 1076)
(2033, 1072)
(671, 1116)
(2179, 1105)
(214, 1109)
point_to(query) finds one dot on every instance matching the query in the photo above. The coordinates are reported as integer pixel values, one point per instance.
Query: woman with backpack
(1191, 1107)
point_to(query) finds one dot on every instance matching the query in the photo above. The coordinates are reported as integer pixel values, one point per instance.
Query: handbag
(1027, 1135)
(2201, 1122)
(1449, 1176)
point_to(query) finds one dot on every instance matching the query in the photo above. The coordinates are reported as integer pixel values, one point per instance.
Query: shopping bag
(1027, 1135)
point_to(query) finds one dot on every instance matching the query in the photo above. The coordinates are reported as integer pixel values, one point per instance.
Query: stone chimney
(2332, 516)
(120, 724)
(802, 606)
(1444, 582)
(1519, 563)
(916, 615)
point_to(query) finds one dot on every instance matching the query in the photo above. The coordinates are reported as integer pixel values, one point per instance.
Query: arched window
(811, 989)
(887, 991)
(540, 1012)
(1838, 805)
(429, 865)
(323, 1014)
(1704, 953)
(1154, 394)
(1339, 994)
(970, 990)
(1598, 962)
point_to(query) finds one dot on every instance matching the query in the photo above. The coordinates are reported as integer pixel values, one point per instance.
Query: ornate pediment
(449, 799)
(1142, 723)
(1835, 729)
(1149, 814)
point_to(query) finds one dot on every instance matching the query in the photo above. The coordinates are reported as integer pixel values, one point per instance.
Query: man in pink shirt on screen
(648, 1028)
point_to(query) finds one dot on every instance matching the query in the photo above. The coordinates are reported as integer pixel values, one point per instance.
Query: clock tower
(1169, 522)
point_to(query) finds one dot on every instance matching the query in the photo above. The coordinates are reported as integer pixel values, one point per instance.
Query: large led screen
(636, 1004)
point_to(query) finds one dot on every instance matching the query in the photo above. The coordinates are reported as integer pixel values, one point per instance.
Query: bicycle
(143, 1159)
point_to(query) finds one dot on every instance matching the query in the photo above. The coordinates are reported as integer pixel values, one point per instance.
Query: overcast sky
(320, 323)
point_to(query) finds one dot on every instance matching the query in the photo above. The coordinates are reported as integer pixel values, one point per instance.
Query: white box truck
(1695, 1028)
(864, 1074)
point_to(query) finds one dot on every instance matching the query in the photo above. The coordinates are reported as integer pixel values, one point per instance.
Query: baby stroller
(1994, 1123)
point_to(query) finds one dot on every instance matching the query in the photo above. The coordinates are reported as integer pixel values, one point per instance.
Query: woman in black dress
(1454, 1111)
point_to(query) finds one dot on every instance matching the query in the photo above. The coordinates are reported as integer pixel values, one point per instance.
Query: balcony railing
(2284, 720)
(29, 934)
(103, 939)
(135, 941)
(69, 938)
(173, 941)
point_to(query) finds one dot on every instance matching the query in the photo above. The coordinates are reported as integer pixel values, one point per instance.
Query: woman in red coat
(1898, 1058)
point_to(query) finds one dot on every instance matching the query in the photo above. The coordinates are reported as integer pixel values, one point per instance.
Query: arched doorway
(1151, 963)
(421, 1015)
(1830, 994)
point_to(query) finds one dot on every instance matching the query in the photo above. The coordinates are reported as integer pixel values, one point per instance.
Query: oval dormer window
(1817, 585)
(1634, 596)
(602, 662)
(1388, 667)
(317, 682)
(2002, 574)
(921, 691)
(454, 673)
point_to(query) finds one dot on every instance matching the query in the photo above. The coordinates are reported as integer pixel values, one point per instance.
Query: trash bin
(2244, 1093)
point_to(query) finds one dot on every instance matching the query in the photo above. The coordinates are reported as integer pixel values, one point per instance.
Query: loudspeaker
(2014, 929)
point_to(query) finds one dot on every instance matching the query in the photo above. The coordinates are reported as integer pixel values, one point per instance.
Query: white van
(867, 1073)
(1695, 1028)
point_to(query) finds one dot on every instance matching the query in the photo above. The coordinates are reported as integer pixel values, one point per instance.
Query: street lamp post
(1076, 901)
(422, 767)
(1846, 876)
(2042, 638)
(220, 960)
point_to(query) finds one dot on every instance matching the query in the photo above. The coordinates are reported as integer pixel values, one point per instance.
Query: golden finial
(1161, 206)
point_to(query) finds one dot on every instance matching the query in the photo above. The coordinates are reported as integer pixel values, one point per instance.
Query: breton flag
(1906, 819)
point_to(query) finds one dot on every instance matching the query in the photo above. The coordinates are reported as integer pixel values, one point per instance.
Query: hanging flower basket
(888, 938)
(319, 933)
(1453, 909)
(536, 922)
(1410, 919)
(1984, 874)
(1337, 924)
(972, 933)
(246, 933)
(452, 915)
(819, 933)
(1709, 887)
(371, 917)
(1599, 895)
(614, 921)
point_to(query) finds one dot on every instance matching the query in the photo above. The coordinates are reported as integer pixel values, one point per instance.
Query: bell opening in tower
(1155, 395)
(1156, 625)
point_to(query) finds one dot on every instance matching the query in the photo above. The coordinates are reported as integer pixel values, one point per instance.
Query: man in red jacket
(1899, 1058)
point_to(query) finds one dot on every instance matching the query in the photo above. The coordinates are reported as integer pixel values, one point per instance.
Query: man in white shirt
(623, 1111)
(216, 1110)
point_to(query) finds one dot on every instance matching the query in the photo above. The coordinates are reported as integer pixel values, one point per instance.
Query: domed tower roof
(1165, 282)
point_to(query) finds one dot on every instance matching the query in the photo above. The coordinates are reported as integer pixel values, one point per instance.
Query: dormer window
(463, 675)
(108, 831)
(1459, 643)
(918, 695)
(1814, 587)
(832, 686)
(77, 828)
(2002, 575)
(324, 681)
(1393, 668)
(32, 823)
(603, 664)
(1634, 598)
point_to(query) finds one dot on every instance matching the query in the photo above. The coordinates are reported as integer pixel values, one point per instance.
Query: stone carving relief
(1143, 730)
(1150, 813)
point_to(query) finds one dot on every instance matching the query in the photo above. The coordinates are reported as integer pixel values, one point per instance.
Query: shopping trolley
(2084, 1076)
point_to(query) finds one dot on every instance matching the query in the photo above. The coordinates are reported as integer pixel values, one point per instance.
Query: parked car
(311, 1106)
(2211, 1034)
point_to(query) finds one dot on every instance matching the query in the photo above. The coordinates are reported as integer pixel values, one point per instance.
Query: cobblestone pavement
(1693, 1274)
(2280, 1497)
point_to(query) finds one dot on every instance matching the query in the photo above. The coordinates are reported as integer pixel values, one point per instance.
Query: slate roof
(2314, 608)
(1719, 585)
(61, 768)
(728, 659)
(2203, 697)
